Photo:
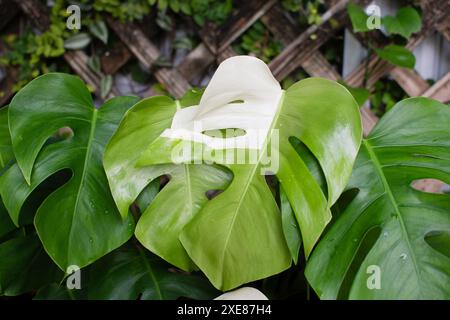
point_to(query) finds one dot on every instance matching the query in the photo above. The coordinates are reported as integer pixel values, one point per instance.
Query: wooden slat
(147, 53)
(369, 120)
(280, 24)
(196, 62)
(250, 13)
(440, 90)
(285, 30)
(36, 11)
(444, 28)
(133, 37)
(8, 11)
(77, 60)
(410, 81)
(115, 58)
(304, 46)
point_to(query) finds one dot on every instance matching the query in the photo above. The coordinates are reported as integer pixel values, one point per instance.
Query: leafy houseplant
(109, 198)
(397, 29)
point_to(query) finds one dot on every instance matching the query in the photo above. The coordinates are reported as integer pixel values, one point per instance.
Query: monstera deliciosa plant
(161, 198)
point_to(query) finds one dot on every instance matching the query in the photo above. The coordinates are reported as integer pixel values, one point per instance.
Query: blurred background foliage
(174, 25)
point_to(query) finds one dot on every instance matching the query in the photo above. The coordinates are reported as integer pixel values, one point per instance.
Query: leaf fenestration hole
(368, 241)
(311, 162)
(344, 200)
(63, 133)
(225, 133)
(41, 192)
(428, 185)
(439, 240)
(211, 194)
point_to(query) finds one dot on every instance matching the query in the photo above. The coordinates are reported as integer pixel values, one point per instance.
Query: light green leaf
(98, 29)
(183, 196)
(79, 222)
(387, 223)
(358, 17)
(78, 41)
(406, 22)
(230, 239)
(397, 55)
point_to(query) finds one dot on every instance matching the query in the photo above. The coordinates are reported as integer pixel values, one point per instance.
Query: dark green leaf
(397, 55)
(406, 22)
(360, 94)
(6, 155)
(358, 17)
(79, 222)
(410, 142)
(25, 266)
(291, 229)
(191, 97)
(133, 273)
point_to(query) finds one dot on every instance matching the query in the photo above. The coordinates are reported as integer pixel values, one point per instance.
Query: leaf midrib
(150, 272)
(83, 175)
(391, 197)
(256, 166)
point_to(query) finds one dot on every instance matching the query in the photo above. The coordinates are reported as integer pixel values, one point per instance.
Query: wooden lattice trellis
(301, 48)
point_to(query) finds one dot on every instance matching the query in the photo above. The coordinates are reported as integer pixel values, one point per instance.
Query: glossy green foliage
(397, 55)
(79, 222)
(388, 224)
(160, 225)
(406, 22)
(25, 266)
(230, 238)
(132, 272)
(358, 18)
(6, 156)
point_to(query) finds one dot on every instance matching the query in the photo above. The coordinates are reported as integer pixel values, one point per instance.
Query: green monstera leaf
(389, 229)
(25, 266)
(6, 155)
(228, 237)
(160, 225)
(79, 222)
(131, 273)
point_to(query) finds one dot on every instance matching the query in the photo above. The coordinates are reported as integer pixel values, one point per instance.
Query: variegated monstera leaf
(237, 236)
